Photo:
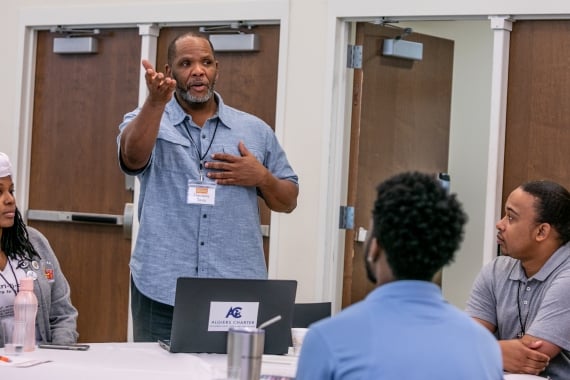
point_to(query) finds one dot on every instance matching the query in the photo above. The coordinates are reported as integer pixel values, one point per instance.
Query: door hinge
(354, 57)
(361, 235)
(346, 218)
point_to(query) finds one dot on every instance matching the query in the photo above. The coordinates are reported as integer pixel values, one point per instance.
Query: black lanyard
(200, 156)
(522, 324)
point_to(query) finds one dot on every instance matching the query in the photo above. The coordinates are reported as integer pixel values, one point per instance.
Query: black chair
(306, 313)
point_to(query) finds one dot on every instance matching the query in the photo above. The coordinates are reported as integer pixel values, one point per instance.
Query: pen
(5, 359)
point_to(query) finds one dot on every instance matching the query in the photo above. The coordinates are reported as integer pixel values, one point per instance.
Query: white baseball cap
(5, 166)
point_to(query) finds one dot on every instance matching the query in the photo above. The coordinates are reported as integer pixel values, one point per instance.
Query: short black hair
(552, 205)
(418, 225)
(172, 46)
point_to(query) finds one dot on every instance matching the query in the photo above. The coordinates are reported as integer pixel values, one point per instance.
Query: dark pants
(151, 320)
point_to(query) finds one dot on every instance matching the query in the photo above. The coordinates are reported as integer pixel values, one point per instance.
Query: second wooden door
(400, 122)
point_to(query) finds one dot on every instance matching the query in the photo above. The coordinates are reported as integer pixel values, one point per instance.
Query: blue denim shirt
(401, 330)
(177, 239)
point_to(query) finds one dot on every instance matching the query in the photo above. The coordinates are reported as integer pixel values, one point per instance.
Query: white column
(149, 41)
(502, 27)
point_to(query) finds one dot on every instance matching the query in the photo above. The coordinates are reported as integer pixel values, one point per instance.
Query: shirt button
(204, 216)
(525, 302)
(202, 243)
(203, 136)
(528, 288)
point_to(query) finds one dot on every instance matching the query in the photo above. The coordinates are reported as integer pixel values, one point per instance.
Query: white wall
(8, 65)
(311, 120)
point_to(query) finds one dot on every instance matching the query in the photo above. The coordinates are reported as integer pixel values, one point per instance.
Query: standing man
(522, 295)
(404, 329)
(202, 166)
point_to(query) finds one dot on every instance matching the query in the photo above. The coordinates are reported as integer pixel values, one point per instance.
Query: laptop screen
(205, 308)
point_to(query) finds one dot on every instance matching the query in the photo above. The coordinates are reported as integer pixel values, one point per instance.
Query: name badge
(201, 193)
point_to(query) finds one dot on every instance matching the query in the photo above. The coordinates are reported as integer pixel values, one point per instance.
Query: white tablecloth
(139, 361)
(131, 361)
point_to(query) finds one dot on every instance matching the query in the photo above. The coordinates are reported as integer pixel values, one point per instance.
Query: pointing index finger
(147, 65)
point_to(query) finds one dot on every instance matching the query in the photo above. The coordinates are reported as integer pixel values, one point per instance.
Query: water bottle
(25, 309)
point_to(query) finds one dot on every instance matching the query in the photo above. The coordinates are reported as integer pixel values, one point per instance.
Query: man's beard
(184, 93)
(367, 264)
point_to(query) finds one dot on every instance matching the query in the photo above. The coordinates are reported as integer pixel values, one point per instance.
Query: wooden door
(79, 102)
(400, 122)
(537, 136)
(247, 81)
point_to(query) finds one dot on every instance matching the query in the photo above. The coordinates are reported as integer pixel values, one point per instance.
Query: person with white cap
(25, 252)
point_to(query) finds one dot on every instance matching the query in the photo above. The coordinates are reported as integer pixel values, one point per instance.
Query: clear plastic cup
(13, 333)
(298, 335)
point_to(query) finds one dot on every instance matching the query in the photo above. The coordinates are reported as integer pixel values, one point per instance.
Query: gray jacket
(56, 320)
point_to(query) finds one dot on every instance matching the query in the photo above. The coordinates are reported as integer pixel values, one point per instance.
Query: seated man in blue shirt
(404, 329)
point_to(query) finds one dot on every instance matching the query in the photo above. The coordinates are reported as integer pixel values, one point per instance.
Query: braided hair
(15, 241)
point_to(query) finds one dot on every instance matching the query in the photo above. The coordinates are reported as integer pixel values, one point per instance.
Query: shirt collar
(177, 115)
(560, 256)
(415, 289)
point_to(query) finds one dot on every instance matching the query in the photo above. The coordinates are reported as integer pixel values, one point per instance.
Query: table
(141, 361)
(132, 361)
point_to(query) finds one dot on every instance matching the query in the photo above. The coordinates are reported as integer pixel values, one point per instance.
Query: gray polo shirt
(178, 239)
(543, 302)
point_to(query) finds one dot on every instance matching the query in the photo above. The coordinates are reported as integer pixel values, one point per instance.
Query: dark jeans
(151, 320)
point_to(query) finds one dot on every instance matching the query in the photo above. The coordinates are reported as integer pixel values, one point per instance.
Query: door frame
(376, 81)
(339, 98)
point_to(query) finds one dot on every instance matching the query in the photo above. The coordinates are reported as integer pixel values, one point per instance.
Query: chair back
(306, 313)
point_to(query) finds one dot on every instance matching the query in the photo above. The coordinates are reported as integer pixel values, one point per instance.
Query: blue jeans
(151, 320)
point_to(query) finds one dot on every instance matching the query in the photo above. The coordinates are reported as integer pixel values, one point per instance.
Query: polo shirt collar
(559, 257)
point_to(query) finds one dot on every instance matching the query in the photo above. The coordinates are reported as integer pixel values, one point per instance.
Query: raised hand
(160, 86)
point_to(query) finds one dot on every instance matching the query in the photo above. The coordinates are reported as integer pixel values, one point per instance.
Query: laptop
(205, 309)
